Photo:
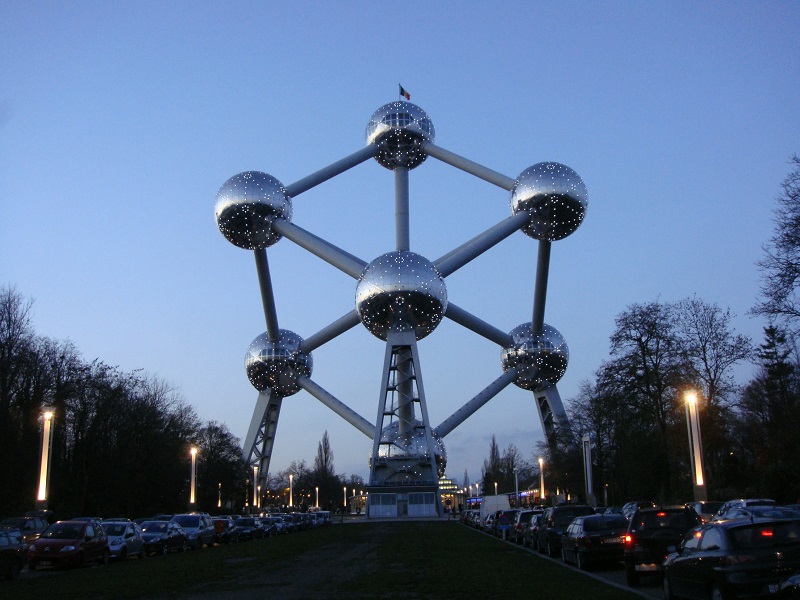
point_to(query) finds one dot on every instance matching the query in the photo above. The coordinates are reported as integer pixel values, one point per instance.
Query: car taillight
(628, 539)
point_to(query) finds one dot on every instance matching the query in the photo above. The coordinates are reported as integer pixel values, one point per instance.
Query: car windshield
(63, 531)
(773, 512)
(154, 526)
(766, 535)
(114, 528)
(602, 522)
(187, 520)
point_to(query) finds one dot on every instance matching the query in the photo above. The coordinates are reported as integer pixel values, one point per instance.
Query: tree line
(634, 407)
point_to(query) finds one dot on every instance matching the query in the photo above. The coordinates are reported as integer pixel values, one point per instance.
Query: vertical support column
(401, 209)
(540, 292)
(267, 297)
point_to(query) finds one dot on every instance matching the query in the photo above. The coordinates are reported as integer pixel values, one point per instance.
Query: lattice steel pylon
(400, 298)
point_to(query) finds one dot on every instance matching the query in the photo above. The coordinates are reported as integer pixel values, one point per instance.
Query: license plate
(45, 563)
(650, 567)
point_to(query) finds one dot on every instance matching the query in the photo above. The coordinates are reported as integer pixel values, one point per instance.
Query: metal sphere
(246, 206)
(401, 291)
(277, 365)
(400, 129)
(541, 359)
(554, 196)
(411, 444)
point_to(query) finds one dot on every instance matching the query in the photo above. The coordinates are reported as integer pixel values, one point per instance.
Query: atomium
(401, 447)
(277, 365)
(554, 196)
(400, 129)
(541, 360)
(401, 291)
(246, 206)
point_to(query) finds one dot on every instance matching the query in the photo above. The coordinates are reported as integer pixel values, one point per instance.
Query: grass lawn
(407, 560)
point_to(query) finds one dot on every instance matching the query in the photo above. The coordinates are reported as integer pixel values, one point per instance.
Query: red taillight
(661, 514)
(766, 533)
(628, 539)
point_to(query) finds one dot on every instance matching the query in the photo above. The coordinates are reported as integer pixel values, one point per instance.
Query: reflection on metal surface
(277, 365)
(541, 360)
(409, 451)
(554, 196)
(400, 128)
(246, 206)
(401, 291)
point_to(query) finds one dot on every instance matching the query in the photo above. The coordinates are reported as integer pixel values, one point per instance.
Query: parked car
(225, 530)
(124, 539)
(763, 512)
(69, 543)
(31, 527)
(163, 537)
(735, 559)
(651, 532)
(248, 528)
(269, 525)
(730, 505)
(554, 523)
(530, 533)
(594, 539)
(13, 552)
(706, 509)
(504, 521)
(199, 528)
(520, 521)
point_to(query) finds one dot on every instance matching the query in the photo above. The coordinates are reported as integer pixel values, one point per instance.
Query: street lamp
(193, 452)
(495, 488)
(344, 499)
(541, 477)
(219, 495)
(695, 447)
(291, 485)
(516, 487)
(255, 485)
(44, 471)
(316, 488)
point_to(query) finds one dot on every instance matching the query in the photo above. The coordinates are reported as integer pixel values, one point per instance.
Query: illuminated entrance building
(400, 298)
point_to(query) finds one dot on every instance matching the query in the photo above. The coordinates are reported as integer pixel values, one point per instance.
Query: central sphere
(277, 365)
(541, 360)
(400, 129)
(401, 291)
(395, 445)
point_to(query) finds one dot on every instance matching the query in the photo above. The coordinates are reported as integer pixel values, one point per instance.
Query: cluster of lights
(401, 291)
(277, 365)
(246, 206)
(401, 446)
(554, 196)
(541, 360)
(400, 129)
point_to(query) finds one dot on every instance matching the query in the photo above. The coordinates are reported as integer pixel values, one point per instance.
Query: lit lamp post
(495, 488)
(194, 476)
(695, 447)
(219, 495)
(516, 487)
(291, 485)
(255, 486)
(344, 498)
(541, 478)
(44, 471)
(317, 490)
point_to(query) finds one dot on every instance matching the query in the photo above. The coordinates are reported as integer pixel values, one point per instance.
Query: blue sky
(120, 121)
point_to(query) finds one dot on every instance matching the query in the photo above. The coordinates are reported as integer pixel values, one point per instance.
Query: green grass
(365, 560)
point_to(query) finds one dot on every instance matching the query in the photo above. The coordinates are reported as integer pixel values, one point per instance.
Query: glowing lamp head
(691, 398)
(193, 451)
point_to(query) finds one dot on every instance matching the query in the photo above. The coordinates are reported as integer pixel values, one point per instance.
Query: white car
(124, 539)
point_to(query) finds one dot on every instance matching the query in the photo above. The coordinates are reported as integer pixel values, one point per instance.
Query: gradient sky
(119, 121)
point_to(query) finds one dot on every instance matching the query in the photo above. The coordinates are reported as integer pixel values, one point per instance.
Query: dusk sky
(119, 121)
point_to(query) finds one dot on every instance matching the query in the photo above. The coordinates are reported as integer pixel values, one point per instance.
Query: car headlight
(68, 549)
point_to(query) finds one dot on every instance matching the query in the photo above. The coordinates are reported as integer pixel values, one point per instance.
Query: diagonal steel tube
(466, 411)
(267, 297)
(325, 335)
(473, 323)
(473, 168)
(337, 168)
(337, 257)
(540, 292)
(337, 406)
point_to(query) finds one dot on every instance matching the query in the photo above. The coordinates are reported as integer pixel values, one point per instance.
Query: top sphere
(246, 206)
(554, 196)
(401, 291)
(400, 129)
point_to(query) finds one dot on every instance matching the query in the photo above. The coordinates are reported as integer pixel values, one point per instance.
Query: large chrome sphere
(541, 359)
(412, 444)
(400, 128)
(277, 365)
(401, 291)
(554, 196)
(246, 206)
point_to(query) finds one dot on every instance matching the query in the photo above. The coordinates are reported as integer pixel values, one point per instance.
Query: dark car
(31, 527)
(503, 522)
(522, 518)
(732, 505)
(735, 559)
(631, 507)
(199, 528)
(594, 539)
(530, 532)
(706, 509)
(12, 552)
(554, 523)
(763, 512)
(248, 528)
(69, 543)
(651, 532)
(225, 530)
(163, 537)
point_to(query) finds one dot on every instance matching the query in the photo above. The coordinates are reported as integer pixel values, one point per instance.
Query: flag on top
(404, 93)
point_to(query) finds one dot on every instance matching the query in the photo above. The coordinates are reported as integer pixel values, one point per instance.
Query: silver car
(124, 539)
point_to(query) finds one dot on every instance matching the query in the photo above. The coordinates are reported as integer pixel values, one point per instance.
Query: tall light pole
(219, 495)
(516, 487)
(193, 452)
(541, 478)
(44, 470)
(255, 486)
(344, 499)
(316, 488)
(695, 447)
(495, 488)
(291, 485)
